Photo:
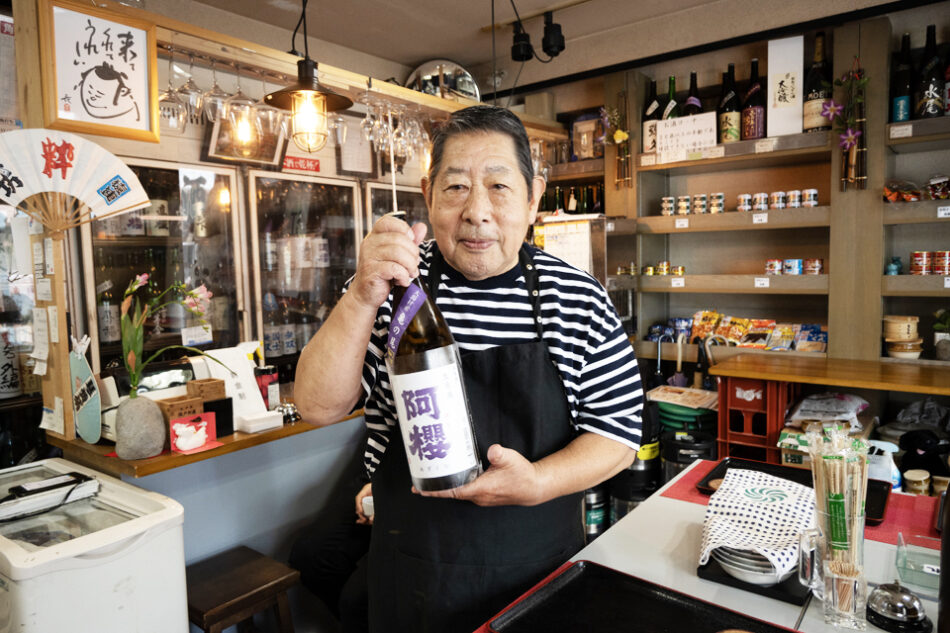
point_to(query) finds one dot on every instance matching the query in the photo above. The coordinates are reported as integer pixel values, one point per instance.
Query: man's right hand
(388, 255)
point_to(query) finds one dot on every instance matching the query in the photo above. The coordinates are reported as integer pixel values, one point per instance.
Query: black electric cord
(533, 52)
(306, 45)
(43, 511)
(293, 39)
(494, 76)
(512, 93)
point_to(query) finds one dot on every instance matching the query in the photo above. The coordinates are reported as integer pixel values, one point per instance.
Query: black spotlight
(553, 42)
(521, 50)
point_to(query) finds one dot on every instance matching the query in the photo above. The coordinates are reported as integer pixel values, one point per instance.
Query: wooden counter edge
(94, 455)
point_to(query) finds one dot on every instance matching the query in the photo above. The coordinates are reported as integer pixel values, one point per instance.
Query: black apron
(447, 566)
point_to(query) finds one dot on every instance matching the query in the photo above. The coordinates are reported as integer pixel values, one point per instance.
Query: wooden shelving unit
(734, 221)
(578, 171)
(915, 286)
(922, 212)
(621, 282)
(648, 349)
(918, 136)
(737, 284)
(137, 241)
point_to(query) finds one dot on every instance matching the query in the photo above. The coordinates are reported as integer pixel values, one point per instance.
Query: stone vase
(140, 429)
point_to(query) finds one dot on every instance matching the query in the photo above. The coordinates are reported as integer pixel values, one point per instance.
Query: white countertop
(660, 540)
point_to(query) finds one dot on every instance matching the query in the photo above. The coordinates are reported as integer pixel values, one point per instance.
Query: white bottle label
(320, 249)
(273, 395)
(288, 339)
(108, 323)
(649, 137)
(273, 344)
(433, 419)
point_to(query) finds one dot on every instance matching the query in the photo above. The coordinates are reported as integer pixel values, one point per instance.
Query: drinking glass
(368, 122)
(213, 100)
(172, 110)
(240, 112)
(339, 128)
(831, 563)
(272, 120)
(191, 94)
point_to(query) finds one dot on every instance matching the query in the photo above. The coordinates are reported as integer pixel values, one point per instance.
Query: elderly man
(551, 380)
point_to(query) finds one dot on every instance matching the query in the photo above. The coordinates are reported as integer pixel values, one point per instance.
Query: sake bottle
(425, 374)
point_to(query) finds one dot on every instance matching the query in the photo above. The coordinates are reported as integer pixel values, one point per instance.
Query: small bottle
(273, 330)
(730, 119)
(753, 107)
(902, 83)
(817, 90)
(672, 109)
(693, 105)
(107, 308)
(176, 311)
(651, 114)
(425, 373)
(305, 326)
(288, 332)
(931, 80)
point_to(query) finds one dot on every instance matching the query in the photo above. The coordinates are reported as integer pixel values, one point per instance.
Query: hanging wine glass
(191, 94)
(400, 141)
(368, 122)
(213, 100)
(382, 130)
(340, 129)
(272, 120)
(172, 110)
(241, 114)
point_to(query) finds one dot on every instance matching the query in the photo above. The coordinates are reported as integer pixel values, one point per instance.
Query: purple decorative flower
(850, 138)
(830, 109)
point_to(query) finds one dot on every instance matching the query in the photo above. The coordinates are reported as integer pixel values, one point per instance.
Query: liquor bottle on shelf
(672, 109)
(558, 206)
(817, 90)
(931, 81)
(423, 359)
(107, 308)
(288, 332)
(176, 311)
(902, 83)
(651, 114)
(693, 104)
(154, 290)
(753, 106)
(305, 325)
(730, 119)
(269, 244)
(273, 327)
(571, 201)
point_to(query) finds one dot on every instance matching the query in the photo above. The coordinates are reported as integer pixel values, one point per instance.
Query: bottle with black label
(753, 107)
(817, 90)
(672, 109)
(651, 114)
(902, 83)
(693, 104)
(730, 119)
(425, 372)
(931, 82)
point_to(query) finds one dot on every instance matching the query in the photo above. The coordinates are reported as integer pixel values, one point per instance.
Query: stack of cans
(777, 200)
(717, 202)
(941, 262)
(682, 205)
(793, 199)
(810, 198)
(760, 202)
(814, 266)
(793, 267)
(744, 202)
(699, 203)
(930, 263)
(773, 266)
(667, 204)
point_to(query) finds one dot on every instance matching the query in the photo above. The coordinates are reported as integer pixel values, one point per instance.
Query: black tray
(789, 590)
(589, 597)
(875, 504)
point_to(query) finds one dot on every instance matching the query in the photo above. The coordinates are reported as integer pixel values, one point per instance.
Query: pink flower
(850, 138)
(140, 280)
(198, 300)
(830, 109)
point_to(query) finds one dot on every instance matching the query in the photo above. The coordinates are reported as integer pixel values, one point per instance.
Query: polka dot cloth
(761, 513)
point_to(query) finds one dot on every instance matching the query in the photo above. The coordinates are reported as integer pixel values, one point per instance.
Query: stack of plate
(749, 566)
(675, 417)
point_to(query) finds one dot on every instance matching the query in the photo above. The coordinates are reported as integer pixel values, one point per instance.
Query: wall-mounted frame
(219, 146)
(355, 159)
(98, 71)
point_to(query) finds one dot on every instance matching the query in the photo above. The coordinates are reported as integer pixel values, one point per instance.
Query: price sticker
(610, 227)
(648, 160)
(761, 282)
(902, 131)
(943, 212)
(760, 218)
(717, 151)
(764, 145)
(946, 282)
(681, 223)
(677, 282)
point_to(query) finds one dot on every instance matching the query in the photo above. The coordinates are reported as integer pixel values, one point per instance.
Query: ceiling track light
(521, 49)
(553, 41)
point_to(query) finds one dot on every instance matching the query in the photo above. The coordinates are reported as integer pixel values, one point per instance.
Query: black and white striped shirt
(581, 329)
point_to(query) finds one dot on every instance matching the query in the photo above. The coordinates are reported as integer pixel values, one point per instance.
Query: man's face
(479, 204)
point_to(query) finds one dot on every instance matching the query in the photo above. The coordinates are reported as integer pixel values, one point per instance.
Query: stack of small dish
(900, 334)
(749, 566)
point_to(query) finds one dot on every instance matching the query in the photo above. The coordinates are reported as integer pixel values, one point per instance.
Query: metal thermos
(595, 512)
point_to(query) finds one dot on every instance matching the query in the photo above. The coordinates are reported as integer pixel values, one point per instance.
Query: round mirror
(443, 78)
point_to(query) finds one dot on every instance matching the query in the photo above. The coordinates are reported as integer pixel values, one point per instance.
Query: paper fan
(62, 180)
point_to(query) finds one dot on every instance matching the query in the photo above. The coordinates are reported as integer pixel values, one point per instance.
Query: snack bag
(782, 337)
(758, 335)
(704, 324)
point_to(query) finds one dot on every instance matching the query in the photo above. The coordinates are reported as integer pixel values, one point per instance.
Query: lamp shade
(309, 103)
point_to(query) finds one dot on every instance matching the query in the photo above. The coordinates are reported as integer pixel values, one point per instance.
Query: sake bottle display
(651, 114)
(728, 111)
(672, 109)
(902, 83)
(817, 90)
(425, 374)
(753, 107)
(693, 105)
(107, 308)
(931, 81)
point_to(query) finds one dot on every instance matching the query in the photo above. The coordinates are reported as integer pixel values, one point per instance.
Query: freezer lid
(68, 522)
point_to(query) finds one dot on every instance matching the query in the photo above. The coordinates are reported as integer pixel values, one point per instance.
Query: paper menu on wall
(40, 335)
(570, 241)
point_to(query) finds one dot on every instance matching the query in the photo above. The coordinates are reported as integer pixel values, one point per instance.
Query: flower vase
(140, 429)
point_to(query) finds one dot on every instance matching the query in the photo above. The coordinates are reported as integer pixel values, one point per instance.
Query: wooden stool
(231, 587)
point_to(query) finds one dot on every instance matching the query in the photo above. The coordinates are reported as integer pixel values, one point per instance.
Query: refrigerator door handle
(114, 550)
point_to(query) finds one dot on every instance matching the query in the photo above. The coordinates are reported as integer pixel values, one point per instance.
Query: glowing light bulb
(224, 199)
(309, 120)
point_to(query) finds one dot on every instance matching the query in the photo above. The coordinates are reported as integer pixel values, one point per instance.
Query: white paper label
(39, 368)
(760, 218)
(40, 335)
(677, 282)
(434, 422)
(681, 223)
(902, 131)
(761, 282)
(717, 151)
(53, 313)
(933, 570)
(196, 335)
(44, 289)
(105, 285)
(610, 227)
(38, 266)
(48, 251)
(764, 145)
(946, 282)
(648, 160)
(943, 212)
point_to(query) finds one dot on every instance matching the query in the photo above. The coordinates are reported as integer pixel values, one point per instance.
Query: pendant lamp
(307, 100)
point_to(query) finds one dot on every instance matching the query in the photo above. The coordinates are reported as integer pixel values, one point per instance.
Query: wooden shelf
(920, 362)
(95, 455)
(917, 212)
(919, 136)
(785, 150)
(578, 171)
(621, 282)
(20, 402)
(836, 372)
(736, 221)
(647, 349)
(137, 241)
(736, 284)
(915, 286)
(621, 226)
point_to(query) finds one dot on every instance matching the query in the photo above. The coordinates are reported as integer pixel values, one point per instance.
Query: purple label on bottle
(405, 311)
(693, 101)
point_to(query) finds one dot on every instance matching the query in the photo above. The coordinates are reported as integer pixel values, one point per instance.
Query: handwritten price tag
(681, 223)
(677, 282)
(760, 218)
(648, 160)
(761, 282)
(717, 151)
(902, 131)
(764, 145)
(943, 212)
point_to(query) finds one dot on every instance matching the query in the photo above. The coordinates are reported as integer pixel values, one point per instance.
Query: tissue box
(259, 422)
(794, 445)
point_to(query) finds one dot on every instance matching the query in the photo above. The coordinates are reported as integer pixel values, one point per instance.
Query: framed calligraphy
(98, 71)
(221, 145)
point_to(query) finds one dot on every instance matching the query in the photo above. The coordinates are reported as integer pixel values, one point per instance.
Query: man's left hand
(510, 480)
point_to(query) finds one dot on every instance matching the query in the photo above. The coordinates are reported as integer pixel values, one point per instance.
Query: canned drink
(682, 205)
(679, 271)
(810, 198)
(719, 197)
(648, 270)
(814, 266)
(744, 200)
(715, 207)
(667, 204)
(921, 258)
(792, 267)
(663, 268)
(773, 266)
(793, 199)
(777, 200)
(942, 269)
(633, 268)
(760, 201)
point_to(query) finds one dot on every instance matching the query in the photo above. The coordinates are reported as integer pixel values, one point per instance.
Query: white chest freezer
(111, 563)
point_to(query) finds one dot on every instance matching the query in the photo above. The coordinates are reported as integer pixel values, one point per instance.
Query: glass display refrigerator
(304, 239)
(191, 233)
(379, 202)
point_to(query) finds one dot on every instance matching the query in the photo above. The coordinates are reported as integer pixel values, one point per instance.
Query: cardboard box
(785, 84)
(795, 447)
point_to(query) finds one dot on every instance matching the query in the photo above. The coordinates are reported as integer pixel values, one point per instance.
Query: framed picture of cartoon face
(98, 71)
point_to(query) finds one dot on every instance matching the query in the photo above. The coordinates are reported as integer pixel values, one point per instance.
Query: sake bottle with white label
(425, 374)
